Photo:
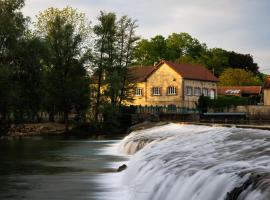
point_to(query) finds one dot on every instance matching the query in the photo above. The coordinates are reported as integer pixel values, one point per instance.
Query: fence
(170, 109)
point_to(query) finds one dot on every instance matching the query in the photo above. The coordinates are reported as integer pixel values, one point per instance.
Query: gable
(189, 71)
(164, 72)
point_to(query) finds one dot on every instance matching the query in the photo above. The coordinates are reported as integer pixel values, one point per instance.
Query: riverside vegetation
(47, 66)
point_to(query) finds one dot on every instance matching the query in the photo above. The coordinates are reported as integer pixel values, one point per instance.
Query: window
(138, 92)
(197, 91)
(212, 93)
(171, 91)
(156, 91)
(205, 91)
(189, 91)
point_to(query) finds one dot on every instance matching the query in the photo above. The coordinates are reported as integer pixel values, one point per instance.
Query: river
(56, 168)
(168, 162)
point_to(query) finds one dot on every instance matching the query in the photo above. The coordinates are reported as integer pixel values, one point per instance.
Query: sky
(234, 25)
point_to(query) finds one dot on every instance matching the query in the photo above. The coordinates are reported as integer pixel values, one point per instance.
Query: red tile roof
(267, 83)
(140, 73)
(239, 90)
(191, 71)
(187, 71)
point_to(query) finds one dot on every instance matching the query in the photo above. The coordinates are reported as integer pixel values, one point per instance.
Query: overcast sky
(236, 25)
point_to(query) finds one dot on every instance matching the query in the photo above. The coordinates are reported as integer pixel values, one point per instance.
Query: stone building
(266, 91)
(170, 83)
(242, 91)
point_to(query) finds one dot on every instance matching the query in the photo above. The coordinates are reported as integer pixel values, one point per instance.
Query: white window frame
(205, 92)
(171, 90)
(189, 91)
(197, 91)
(156, 91)
(139, 92)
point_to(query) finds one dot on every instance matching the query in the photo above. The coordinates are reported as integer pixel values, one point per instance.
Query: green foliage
(229, 101)
(204, 102)
(181, 47)
(69, 15)
(223, 102)
(113, 54)
(238, 77)
(12, 29)
(67, 84)
(175, 47)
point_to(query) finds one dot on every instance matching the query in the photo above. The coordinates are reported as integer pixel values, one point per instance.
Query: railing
(171, 109)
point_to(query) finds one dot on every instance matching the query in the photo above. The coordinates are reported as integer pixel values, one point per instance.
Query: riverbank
(38, 129)
(85, 130)
(35, 129)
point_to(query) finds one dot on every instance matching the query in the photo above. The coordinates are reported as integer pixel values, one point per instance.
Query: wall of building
(266, 97)
(163, 78)
(200, 84)
(140, 100)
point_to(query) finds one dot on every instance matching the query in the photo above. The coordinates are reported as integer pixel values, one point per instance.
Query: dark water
(55, 168)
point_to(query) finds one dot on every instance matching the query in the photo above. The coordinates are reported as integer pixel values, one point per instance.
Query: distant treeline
(62, 64)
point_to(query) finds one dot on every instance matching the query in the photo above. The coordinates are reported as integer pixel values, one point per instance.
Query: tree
(105, 33)
(29, 78)
(243, 61)
(178, 46)
(69, 15)
(215, 59)
(127, 39)
(66, 74)
(12, 28)
(183, 44)
(143, 53)
(238, 77)
(114, 52)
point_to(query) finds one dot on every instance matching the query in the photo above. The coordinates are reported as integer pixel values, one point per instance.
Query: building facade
(266, 91)
(173, 84)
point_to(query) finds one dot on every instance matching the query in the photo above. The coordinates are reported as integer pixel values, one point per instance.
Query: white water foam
(190, 162)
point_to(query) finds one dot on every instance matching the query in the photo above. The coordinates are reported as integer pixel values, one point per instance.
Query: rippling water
(188, 162)
(169, 162)
(59, 169)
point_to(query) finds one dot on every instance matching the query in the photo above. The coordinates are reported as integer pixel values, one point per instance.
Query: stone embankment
(35, 129)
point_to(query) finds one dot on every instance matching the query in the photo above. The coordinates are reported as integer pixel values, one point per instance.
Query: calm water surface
(58, 168)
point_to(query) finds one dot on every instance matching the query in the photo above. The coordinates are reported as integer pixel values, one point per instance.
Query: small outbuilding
(266, 91)
(242, 91)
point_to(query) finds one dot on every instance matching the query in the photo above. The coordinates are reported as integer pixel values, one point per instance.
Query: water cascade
(191, 162)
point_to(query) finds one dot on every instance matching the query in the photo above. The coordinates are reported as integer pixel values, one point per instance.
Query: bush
(222, 102)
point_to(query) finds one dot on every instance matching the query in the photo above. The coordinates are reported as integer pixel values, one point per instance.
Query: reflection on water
(55, 168)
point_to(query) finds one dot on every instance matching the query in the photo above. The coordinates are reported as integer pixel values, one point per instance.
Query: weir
(193, 162)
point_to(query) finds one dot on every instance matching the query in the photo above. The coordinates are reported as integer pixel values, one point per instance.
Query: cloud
(240, 25)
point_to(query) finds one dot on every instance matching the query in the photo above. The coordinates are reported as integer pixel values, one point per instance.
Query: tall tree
(127, 38)
(12, 28)
(243, 61)
(72, 16)
(66, 74)
(105, 37)
(29, 78)
(183, 44)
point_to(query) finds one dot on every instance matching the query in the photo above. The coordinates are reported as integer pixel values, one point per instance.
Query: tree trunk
(66, 120)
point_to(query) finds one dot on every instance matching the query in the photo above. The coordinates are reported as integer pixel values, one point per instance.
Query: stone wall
(266, 97)
(254, 112)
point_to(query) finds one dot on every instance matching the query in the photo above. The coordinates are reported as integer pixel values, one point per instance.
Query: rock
(122, 168)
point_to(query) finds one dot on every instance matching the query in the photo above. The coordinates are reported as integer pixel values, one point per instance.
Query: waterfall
(191, 162)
